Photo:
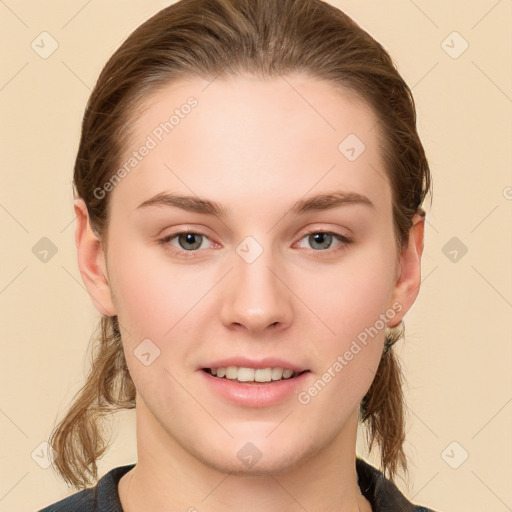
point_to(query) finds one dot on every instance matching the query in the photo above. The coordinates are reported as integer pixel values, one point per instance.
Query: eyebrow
(319, 202)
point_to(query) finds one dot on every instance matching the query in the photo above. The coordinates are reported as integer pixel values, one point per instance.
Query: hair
(263, 38)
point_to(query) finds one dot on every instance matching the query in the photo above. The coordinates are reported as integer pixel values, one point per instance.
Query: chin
(260, 455)
(262, 464)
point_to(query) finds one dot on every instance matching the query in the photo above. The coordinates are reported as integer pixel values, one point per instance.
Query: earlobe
(408, 282)
(91, 261)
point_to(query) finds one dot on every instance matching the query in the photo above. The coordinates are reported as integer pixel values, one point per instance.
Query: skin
(255, 147)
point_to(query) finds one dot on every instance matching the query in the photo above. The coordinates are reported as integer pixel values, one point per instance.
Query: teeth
(231, 372)
(263, 375)
(244, 374)
(253, 375)
(277, 373)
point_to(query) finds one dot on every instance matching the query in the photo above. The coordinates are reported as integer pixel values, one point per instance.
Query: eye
(186, 241)
(323, 240)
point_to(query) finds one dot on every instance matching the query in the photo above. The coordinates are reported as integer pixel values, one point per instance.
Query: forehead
(252, 140)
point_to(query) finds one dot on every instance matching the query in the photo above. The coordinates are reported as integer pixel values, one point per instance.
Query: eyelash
(344, 240)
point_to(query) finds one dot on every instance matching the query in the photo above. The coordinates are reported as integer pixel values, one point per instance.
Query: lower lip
(255, 394)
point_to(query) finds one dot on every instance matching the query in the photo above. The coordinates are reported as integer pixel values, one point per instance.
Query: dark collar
(383, 494)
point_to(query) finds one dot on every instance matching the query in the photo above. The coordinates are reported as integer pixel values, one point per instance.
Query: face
(253, 235)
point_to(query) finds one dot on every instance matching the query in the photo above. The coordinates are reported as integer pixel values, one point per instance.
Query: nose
(255, 297)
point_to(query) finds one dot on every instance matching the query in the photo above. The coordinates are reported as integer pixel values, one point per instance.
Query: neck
(172, 479)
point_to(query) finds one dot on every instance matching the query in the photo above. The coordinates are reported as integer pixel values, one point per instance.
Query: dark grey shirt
(382, 494)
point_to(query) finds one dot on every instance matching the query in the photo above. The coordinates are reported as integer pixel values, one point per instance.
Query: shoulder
(383, 494)
(103, 497)
(83, 501)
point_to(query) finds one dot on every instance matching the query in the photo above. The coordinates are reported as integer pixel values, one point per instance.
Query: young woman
(249, 189)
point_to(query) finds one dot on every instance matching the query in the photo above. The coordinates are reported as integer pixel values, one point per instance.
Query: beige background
(458, 352)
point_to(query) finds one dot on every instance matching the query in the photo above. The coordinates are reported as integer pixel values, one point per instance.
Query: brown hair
(265, 38)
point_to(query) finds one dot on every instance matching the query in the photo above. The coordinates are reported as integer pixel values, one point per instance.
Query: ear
(408, 281)
(92, 261)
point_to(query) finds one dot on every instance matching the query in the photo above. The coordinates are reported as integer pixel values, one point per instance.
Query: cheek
(355, 304)
(350, 297)
(348, 359)
(154, 303)
(150, 294)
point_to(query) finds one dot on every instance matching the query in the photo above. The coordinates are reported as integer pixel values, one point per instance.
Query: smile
(244, 374)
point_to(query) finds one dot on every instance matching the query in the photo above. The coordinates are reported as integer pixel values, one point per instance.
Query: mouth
(253, 375)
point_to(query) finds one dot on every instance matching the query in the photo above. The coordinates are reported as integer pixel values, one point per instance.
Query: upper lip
(245, 362)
